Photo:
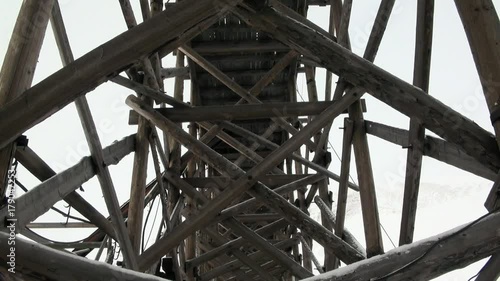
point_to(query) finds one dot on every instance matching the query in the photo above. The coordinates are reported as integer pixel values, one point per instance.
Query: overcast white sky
(444, 190)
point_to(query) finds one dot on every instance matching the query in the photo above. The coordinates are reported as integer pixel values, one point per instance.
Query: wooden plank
(94, 68)
(400, 95)
(95, 146)
(57, 265)
(20, 63)
(60, 185)
(416, 136)
(434, 147)
(429, 258)
(220, 163)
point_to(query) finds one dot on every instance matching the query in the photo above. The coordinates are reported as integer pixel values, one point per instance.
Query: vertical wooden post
(482, 26)
(20, 62)
(421, 73)
(344, 179)
(369, 208)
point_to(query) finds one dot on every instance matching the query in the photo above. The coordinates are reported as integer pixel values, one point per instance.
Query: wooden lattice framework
(235, 204)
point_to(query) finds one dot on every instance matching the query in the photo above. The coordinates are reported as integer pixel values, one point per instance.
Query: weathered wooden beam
(434, 147)
(344, 178)
(241, 112)
(429, 258)
(158, 96)
(95, 146)
(369, 208)
(59, 186)
(60, 225)
(397, 93)
(57, 265)
(175, 72)
(41, 170)
(416, 136)
(220, 163)
(482, 27)
(170, 28)
(19, 64)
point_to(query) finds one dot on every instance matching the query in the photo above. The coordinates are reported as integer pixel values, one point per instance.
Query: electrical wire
(146, 223)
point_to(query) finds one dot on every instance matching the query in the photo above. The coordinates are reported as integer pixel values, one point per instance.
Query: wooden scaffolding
(235, 199)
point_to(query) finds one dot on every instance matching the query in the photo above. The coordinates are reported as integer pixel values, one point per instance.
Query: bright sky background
(449, 197)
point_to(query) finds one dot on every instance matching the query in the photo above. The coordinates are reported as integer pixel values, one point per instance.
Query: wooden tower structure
(237, 168)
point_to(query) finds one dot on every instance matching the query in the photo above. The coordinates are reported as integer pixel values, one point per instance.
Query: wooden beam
(60, 185)
(397, 93)
(94, 68)
(344, 178)
(20, 63)
(416, 136)
(435, 148)
(60, 225)
(95, 146)
(369, 208)
(41, 170)
(429, 258)
(175, 72)
(243, 183)
(57, 265)
(241, 112)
